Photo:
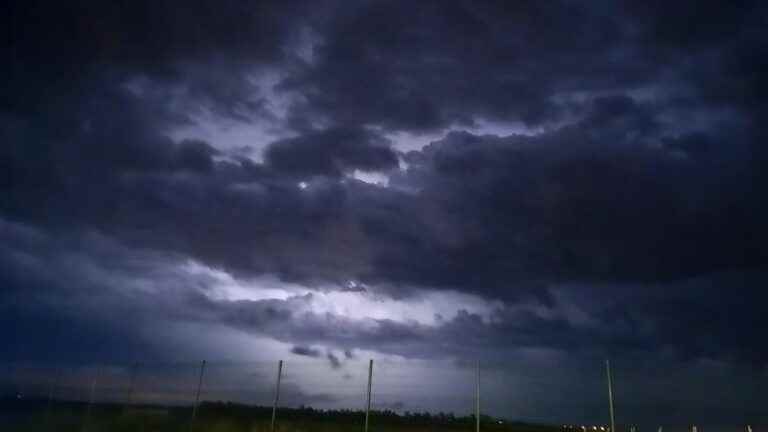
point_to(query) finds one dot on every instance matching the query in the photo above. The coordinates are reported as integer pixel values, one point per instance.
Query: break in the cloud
(428, 181)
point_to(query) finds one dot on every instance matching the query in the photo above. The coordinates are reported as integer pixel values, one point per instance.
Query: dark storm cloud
(583, 203)
(333, 360)
(600, 199)
(594, 199)
(642, 195)
(331, 152)
(195, 56)
(62, 298)
(145, 33)
(72, 299)
(305, 351)
(431, 64)
(73, 313)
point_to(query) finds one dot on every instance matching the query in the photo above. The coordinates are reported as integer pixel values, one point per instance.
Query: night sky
(538, 185)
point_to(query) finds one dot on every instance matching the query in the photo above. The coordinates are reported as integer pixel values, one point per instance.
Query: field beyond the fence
(61, 416)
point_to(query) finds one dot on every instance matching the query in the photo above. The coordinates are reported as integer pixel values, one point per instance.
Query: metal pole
(610, 394)
(277, 394)
(51, 390)
(131, 384)
(370, 381)
(90, 400)
(477, 396)
(197, 394)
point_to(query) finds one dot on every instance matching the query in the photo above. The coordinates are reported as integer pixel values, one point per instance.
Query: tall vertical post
(368, 405)
(277, 394)
(610, 394)
(197, 394)
(91, 397)
(477, 396)
(51, 391)
(131, 386)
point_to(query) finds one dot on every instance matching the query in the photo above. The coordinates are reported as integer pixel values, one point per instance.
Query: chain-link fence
(333, 394)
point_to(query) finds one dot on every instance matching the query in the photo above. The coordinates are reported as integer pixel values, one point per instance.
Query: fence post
(477, 396)
(610, 394)
(277, 394)
(51, 391)
(90, 400)
(197, 394)
(368, 405)
(131, 385)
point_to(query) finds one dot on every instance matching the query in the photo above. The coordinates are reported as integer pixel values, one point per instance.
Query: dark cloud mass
(592, 174)
(305, 351)
(331, 153)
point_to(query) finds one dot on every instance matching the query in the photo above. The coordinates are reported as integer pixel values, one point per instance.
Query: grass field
(39, 416)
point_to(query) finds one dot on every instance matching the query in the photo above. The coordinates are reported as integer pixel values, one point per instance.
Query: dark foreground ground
(40, 415)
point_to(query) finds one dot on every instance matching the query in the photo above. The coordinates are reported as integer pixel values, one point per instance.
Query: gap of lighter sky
(426, 307)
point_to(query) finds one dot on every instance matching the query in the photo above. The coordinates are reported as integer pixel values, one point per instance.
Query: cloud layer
(592, 180)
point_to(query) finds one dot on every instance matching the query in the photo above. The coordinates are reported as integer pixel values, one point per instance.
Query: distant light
(303, 185)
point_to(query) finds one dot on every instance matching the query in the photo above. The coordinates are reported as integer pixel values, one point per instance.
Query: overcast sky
(538, 185)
